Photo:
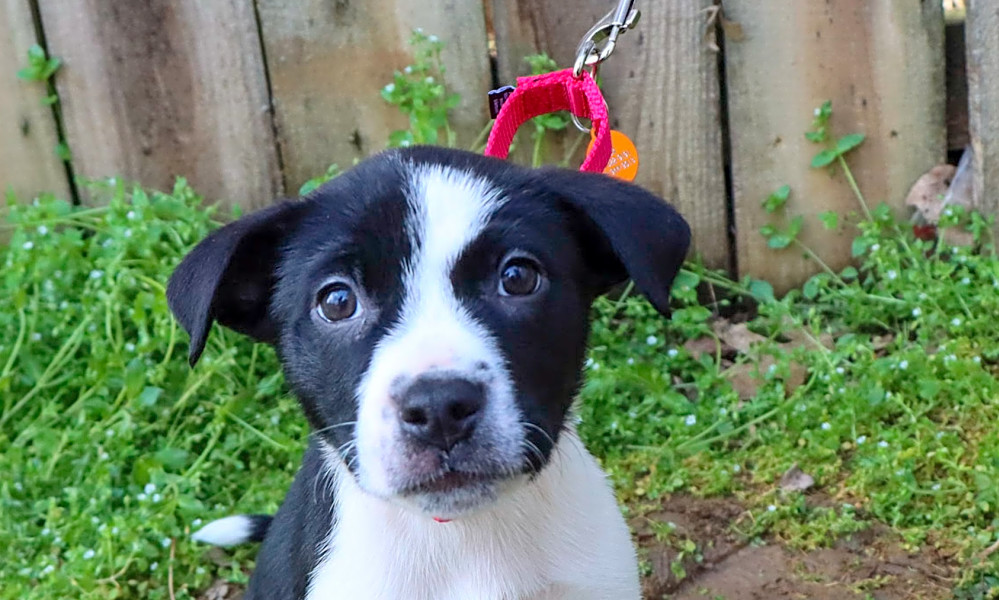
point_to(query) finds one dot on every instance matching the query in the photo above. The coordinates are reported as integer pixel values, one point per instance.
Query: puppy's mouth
(449, 482)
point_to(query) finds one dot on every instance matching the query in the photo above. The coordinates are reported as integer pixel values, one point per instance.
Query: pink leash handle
(541, 94)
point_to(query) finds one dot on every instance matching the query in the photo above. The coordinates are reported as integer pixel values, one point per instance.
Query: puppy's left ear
(229, 277)
(625, 232)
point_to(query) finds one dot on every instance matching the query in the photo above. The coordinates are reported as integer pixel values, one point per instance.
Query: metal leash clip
(600, 40)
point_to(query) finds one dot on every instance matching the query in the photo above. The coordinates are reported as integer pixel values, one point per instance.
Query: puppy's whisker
(545, 434)
(331, 427)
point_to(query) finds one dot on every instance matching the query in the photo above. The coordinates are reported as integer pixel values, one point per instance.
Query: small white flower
(46, 532)
(200, 570)
(275, 419)
(150, 488)
(166, 542)
(28, 245)
(48, 570)
(976, 359)
(407, 70)
(114, 531)
(102, 527)
(723, 411)
(103, 455)
(771, 508)
(940, 435)
(141, 497)
(651, 340)
(861, 439)
(429, 80)
(966, 281)
(390, 88)
(917, 311)
(109, 433)
(904, 364)
(826, 426)
(736, 468)
(595, 366)
(771, 369)
(63, 305)
(433, 39)
(630, 361)
(130, 215)
(950, 213)
(96, 274)
(129, 347)
(405, 143)
(154, 566)
(18, 486)
(840, 370)
(107, 243)
(88, 554)
(900, 472)
(128, 233)
(94, 520)
(196, 523)
(841, 390)
(936, 487)
(42, 230)
(893, 274)
(875, 247)
(112, 180)
(36, 336)
(818, 112)
(588, 363)
(672, 352)
(950, 358)
(955, 321)
(882, 444)
(690, 420)
(157, 498)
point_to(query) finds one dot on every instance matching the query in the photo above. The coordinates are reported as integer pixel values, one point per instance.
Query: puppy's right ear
(229, 277)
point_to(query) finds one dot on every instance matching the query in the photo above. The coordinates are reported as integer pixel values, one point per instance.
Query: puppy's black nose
(441, 412)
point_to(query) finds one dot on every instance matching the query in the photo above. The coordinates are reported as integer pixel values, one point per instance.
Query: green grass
(112, 449)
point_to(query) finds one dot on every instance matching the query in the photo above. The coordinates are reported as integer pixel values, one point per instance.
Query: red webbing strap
(540, 94)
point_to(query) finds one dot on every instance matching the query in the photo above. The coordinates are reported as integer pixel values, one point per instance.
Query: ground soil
(867, 565)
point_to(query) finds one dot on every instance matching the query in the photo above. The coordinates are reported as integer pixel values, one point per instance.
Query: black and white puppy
(430, 308)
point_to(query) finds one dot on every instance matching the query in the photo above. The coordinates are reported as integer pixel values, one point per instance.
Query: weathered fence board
(662, 90)
(28, 136)
(152, 90)
(983, 92)
(881, 64)
(328, 62)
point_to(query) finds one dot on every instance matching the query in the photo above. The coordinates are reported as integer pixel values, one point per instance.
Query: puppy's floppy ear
(230, 275)
(626, 231)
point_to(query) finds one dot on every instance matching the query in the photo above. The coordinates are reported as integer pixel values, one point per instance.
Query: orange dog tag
(623, 162)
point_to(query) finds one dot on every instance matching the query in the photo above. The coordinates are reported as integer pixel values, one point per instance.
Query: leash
(574, 90)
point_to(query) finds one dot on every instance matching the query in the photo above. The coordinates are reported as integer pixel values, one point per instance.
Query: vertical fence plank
(662, 90)
(28, 136)
(152, 90)
(982, 37)
(881, 64)
(328, 62)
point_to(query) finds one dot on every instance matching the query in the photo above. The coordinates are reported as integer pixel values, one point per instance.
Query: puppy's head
(430, 310)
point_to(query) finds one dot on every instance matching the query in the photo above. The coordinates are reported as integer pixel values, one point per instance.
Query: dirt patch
(869, 564)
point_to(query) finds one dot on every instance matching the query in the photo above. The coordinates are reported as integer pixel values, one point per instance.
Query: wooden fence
(250, 98)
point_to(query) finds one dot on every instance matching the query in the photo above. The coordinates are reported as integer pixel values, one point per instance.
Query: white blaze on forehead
(449, 209)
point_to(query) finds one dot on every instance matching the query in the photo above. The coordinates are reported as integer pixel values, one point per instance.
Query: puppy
(430, 308)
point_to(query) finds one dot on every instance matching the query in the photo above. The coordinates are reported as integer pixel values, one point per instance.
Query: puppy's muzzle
(439, 412)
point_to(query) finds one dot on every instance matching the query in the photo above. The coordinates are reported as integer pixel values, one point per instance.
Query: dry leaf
(700, 346)
(736, 335)
(927, 194)
(796, 480)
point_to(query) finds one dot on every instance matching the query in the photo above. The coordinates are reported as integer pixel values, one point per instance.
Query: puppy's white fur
(559, 536)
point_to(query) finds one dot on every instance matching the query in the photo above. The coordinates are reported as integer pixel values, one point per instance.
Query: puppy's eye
(336, 302)
(519, 277)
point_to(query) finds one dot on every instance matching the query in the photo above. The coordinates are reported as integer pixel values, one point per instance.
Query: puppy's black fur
(261, 274)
